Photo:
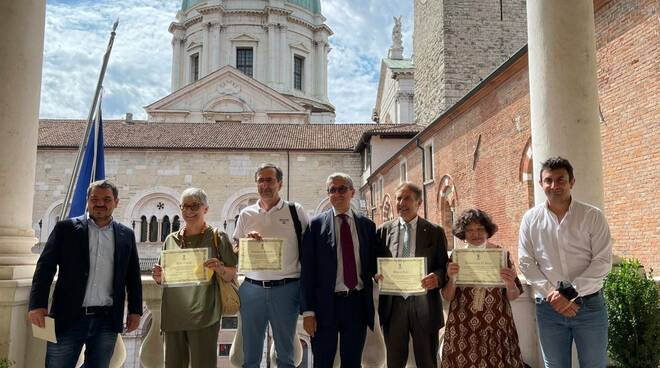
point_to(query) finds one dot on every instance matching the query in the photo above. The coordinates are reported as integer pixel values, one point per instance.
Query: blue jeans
(588, 328)
(279, 305)
(95, 332)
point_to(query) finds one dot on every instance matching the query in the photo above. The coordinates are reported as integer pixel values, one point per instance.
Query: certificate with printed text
(185, 267)
(479, 267)
(402, 276)
(259, 255)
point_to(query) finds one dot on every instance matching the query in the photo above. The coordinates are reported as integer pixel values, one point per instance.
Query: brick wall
(628, 86)
(627, 41)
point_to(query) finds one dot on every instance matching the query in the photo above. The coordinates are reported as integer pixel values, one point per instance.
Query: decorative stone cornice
(280, 11)
(192, 21)
(174, 26)
(211, 9)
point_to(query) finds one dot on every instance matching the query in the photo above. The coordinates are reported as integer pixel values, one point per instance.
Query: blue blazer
(68, 249)
(319, 266)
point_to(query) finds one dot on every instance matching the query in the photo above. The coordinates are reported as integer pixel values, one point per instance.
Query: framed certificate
(259, 255)
(185, 267)
(480, 267)
(402, 276)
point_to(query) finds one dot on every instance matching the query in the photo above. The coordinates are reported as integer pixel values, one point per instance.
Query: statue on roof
(396, 50)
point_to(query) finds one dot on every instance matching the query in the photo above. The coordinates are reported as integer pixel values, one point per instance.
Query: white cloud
(77, 33)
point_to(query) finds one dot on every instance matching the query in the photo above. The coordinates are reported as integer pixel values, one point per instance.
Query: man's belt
(582, 299)
(271, 283)
(96, 310)
(347, 293)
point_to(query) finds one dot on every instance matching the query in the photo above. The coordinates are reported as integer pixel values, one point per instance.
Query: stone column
(21, 47)
(177, 38)
(151, 351)
(563, 92)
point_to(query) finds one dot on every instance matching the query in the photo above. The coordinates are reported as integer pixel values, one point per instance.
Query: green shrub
(634, 316)
(5, 363)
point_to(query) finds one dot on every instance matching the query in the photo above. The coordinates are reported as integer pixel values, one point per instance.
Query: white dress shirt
(578, 249)
(339, 281)
(274, 223)
(98, 291)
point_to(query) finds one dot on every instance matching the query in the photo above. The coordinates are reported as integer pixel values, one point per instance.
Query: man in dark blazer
(338, 264)
(98, 270)
(419, 316)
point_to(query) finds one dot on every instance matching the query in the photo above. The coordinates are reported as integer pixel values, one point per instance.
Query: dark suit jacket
(68, 249)
(431, 243)
(319, 266)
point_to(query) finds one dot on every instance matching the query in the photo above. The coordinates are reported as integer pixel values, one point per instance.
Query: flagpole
(97, 126)
(90, 116)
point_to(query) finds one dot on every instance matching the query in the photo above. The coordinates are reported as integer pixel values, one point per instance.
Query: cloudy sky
(77, 33)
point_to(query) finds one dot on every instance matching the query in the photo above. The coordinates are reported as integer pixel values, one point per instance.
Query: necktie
(347, 253)
(406, 240)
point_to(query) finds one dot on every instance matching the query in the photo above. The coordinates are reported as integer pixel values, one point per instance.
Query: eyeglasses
(191, 207)
(341, 190)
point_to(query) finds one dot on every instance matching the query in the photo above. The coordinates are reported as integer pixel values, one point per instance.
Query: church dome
(313, 6)
(187, 4)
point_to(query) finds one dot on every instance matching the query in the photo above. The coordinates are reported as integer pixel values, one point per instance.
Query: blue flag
(91, 169)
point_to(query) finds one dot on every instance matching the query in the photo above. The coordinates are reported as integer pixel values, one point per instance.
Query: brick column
(563, 92)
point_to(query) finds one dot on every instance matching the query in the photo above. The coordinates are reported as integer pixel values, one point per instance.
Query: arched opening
(231, 216)
(526, 172)
(143, 229)
(176, 224)
(161, 205)
(165, 228)
(447, 203)
(387, 208)
(153, 229)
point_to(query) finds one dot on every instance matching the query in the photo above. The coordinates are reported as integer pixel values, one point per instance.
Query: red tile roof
(219, 136)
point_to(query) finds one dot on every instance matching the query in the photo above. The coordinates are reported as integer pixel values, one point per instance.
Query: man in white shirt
(565, 251)
(271, 297)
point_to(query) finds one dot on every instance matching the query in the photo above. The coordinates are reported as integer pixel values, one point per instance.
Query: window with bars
(194, 67)
(244, 60)
(298, 69)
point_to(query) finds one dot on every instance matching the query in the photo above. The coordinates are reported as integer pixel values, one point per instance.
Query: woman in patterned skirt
(480, 331)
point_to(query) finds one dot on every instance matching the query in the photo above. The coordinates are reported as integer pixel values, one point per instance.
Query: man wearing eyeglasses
(271, 297)
(339, 262)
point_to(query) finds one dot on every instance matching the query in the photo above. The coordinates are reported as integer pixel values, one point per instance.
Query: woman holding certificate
(191, 305)
(480, 331)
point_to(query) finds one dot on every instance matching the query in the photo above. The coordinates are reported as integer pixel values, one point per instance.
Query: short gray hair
(197, 194)
(338, 175)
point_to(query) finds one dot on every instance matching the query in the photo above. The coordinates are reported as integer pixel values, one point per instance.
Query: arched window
(165, 228)
(176, 224)
(153, 229)
(447, 203)
(143, 229)
(527, 172)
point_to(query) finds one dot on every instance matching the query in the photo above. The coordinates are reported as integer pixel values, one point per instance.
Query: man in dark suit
(419, 316)
(98, 270)
(339, 262)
